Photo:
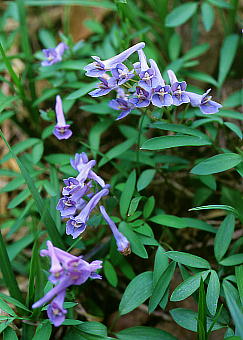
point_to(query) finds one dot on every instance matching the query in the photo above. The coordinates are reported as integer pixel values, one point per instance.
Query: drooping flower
(123, 245)
(125, 106)
(141, 98)
(179, 94)
(146, 73)
(73, 271)
(121, 73)
(204, 102)
(54, 55)
(66, 206)
(105, 86)
(61, 130)
(161, 94)
(99, 67)
(76, 225)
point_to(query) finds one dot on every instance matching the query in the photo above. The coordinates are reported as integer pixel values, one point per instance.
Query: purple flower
(121, 104)
(99, 67)
(76, 225)
(105, 86)
(66, 206)
(54, 55)
(121, 73)
(123, 245)
(61, 130)
(161, 96)
(72, 185)
(204, 102)
(79, 162)
(56, 269)
(55, 311)
(141, 98)
(146, 74)
(179, 94)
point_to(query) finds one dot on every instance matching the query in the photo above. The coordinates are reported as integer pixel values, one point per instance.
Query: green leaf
(180, 14)
(89, 3)
(145, 179)
(239, 280)
(9, 334)
(202, 321)
(161, 262)
(220, 3)
(234, 99)
(95, 135)
(232, 260)
(196, 51)
(161, 287)
(198, 224)
(47, 38)
(133, 206)
(224, 236)
(187, 319)
(188, 259)
(81, 92)
(13, 301)
(178, 128)
(110, 273)
(127, 194)
(207, 16)
(43, 331)
(148, 207)
(116, 151)
(189, 286)
(235, 128)
(93, 327)
(227, 55)
(37, 152)
(138, 291)
(166, 142)
(234, 308)
(218, 163)
(169, 221)
(213, 292)
(216, 206)
(46, 94)
(144, 333)
(6, 308)
(6, 115)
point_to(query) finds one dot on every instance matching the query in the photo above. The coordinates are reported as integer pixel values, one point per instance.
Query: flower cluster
(81, 196)
(150, 86)
(66, 270)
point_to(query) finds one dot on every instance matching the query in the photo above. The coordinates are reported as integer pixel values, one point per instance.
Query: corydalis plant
(150, 88)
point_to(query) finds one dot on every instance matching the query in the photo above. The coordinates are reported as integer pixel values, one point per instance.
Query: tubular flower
(54, 55)
(74, 271)
(204, 102)
(99, 67)
(61, 130)
(146, 73)
(123, 245)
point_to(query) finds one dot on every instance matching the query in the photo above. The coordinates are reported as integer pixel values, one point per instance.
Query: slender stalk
(140, 126)
(7, 272)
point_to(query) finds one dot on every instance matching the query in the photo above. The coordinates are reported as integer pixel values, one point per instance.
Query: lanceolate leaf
(138, 291)
(217, 164)
(127, 194)
(187, 259)
(213, 292)
(180, 14)
(223, 236)
(167, 142)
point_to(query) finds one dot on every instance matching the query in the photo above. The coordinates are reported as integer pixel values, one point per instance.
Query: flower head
(123, 245)
(121, 73)
(55, 311)
(146, 73)
(99, 67)
(61, 130)
(54, 55)
(141, 98)
(105, 86)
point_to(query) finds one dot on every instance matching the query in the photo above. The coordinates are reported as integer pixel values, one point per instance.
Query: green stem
(7, 272)
(140, 126)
